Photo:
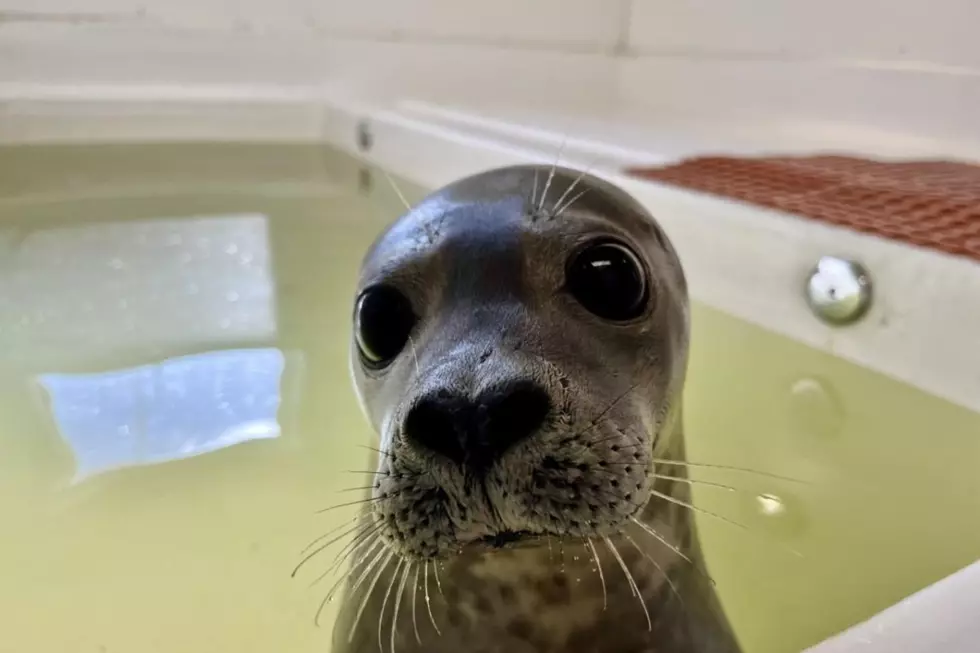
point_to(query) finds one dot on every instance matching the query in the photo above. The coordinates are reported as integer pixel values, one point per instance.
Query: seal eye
(383, 321)
(608, 280)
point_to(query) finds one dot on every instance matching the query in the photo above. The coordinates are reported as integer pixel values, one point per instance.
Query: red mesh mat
(934, 204)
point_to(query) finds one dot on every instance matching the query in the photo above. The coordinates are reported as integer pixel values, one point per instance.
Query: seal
(519, 345)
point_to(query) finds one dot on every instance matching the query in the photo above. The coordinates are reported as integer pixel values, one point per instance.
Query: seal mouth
(504, 540)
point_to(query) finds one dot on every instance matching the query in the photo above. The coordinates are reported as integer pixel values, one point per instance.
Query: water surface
(175, 406)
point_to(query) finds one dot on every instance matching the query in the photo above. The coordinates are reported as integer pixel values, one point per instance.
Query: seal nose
(477, 432)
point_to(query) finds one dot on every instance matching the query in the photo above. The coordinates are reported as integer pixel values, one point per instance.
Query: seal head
(520, 344)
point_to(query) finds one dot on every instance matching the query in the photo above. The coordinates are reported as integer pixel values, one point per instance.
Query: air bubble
(770, 505)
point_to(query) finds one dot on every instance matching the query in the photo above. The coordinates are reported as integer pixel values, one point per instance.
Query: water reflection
(171, 410)
(76, 296)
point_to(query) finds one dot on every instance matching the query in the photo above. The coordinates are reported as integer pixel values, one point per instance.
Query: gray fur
(483, 262)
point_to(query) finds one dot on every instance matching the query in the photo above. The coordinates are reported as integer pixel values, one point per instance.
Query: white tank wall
(871, 71)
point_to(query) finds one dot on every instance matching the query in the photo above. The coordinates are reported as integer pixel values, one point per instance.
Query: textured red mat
(934, 204)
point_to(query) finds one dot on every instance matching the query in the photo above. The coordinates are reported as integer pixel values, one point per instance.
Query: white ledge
(942, 618)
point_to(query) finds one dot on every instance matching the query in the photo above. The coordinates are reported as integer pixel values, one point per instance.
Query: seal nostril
(513, 413)
(435, 424)
(477, 432)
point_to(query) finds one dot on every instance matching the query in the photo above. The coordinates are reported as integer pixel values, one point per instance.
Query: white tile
(569, 22)
(814, 106)
(148, 55)
(938, 31)
(51, 8)
(472, 72)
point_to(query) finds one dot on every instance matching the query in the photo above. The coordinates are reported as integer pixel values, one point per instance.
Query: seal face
(520, 342)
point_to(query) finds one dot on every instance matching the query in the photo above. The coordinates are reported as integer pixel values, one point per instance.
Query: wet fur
(482, 261)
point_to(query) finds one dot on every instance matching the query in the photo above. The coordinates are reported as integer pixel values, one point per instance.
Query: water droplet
(246, 258)
(123, 430)
(123, 303)
(174, 239)
(116, 264)
(814, 409)
(231, 249)
(192, 289)
(575, 558)
(770, 505)
(186, 258)
(226, 323)
(232, 297)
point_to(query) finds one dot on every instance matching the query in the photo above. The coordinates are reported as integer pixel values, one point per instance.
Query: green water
(141, 285)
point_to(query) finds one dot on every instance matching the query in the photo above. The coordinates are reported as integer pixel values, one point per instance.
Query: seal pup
(520, 344)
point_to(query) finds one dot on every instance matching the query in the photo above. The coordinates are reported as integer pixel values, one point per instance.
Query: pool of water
(175, 408)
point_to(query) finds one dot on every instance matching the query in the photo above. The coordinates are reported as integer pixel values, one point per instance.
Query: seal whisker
(415, 593)
(602, 414)
(333, 589)
(326, 535)
(693, 508)
(534, 192)
(342, 556)
(386, 454)
(367, 595)
(602, 577)
(384, 603)
(355, 489)
(403, 474)
(329, 596)
(551, 174)
(656, 564)
(695, 481)
(354, 503)
(428, 601)
(435, 568)
(629, 578)
(394, 186)
(683, 463)
(571, 187)
(374, 561)
(660, 538)
(559, 210)
(326, 546)
(398, 602)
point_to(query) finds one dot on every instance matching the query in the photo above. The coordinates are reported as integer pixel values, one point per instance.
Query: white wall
(866, 71)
